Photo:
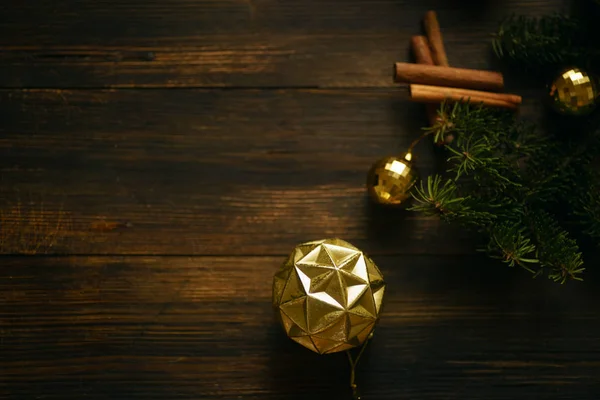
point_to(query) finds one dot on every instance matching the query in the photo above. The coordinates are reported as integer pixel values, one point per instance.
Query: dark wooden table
(159, 159)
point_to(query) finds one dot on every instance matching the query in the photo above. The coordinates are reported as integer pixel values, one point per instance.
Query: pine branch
(479, 133)
(509, 243)
(461, 119)
(585, 204)
(521, 143)
(556, 250)
(442, 199)
(504, 175)
(507, 180)
(540, 42)
(476, 158)
(561, 172)
(590, 213)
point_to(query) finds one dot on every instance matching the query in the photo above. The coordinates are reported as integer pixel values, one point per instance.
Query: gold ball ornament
(574, 92)
(390, 180)
(328, 296)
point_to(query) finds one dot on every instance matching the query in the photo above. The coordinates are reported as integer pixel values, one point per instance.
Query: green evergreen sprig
(441, 199)
(584, 203)
(539, 42)
(543, 44)
(556, 250)
(517, 187)
(500, 170)
(513, 247)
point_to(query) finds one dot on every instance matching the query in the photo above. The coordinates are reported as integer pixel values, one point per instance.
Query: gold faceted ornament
(390, 180)
(574, 92)
(328, 296)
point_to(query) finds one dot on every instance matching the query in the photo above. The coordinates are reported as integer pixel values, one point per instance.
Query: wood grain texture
(251, 43)
(224, 183)
(215, 172)
(181, 327)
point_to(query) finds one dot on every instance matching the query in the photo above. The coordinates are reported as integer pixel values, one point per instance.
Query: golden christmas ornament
(328, 296)
(574, 92)
(390, 179)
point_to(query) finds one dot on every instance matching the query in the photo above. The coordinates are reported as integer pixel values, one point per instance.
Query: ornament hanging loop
(417, 140)
(355, 394)
(353, 362)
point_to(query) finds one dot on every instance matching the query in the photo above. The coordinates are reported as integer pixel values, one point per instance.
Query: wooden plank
(207, 172)
(182, 43)
(181, 327)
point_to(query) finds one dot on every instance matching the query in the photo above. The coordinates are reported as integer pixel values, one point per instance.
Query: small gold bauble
(574, 92)
(390, 180)
(328, 295)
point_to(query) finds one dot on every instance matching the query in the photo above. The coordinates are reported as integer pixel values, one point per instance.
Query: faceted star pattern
(390, 180)
(574, 92)
(328, 295)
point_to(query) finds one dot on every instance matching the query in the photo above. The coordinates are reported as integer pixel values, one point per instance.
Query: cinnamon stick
(421, 50)
(422, 53)
(437, 94)
(448, 76)
(511, 98)
(434, 34)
